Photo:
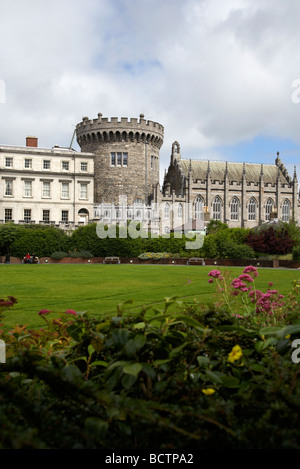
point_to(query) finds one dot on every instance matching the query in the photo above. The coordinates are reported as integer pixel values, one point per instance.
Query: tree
(9, 232)
(214, 226)
(271, 241)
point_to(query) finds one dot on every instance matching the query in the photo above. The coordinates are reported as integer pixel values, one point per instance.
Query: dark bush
(296, 253)
(270, 241)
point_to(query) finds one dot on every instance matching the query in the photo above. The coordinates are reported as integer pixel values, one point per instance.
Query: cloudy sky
(221, 76)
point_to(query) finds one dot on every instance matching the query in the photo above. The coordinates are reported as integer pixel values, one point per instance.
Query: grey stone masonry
(126, 156)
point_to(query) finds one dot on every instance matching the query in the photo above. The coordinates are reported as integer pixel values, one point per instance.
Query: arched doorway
(83, 216)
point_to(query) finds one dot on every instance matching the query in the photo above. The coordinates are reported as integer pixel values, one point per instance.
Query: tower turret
(126, 156)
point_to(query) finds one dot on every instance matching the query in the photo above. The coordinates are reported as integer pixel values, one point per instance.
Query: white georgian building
(46, 186)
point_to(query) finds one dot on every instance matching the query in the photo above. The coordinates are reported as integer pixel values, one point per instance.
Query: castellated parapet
(126, 156)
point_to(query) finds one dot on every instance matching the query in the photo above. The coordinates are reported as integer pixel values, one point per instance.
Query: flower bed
(188, 375)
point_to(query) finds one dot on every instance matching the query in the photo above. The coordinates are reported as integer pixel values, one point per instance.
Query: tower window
(119, 159)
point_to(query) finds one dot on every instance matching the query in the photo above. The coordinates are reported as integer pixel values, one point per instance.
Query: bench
(196, 261)
(111, 260)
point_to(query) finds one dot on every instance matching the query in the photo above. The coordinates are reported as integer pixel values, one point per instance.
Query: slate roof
(234, 170)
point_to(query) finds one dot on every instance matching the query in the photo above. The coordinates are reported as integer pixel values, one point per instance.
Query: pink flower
(6, 303)
(71, 311)
(250, 269)
(214, 274)
(43, 312)
(210, 280)
(246, 278)
(238, 284)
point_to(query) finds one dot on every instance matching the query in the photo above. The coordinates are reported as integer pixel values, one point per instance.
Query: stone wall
(141, 140)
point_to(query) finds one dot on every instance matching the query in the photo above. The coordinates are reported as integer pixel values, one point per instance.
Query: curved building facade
(126, 159)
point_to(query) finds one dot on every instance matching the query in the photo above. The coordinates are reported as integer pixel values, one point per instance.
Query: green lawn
(99, 288)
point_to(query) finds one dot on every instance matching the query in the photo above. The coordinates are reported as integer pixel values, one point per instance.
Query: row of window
(46, 189)
(46, 164)
(8, 215)
(234, 209)
(252, 208)
(121, 159)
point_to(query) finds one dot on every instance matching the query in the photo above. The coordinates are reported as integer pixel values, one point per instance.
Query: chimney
(31, 141)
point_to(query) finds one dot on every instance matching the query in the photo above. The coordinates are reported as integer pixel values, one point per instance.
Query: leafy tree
(271, 241)
(214, 226)
(41, 241)
(9, 232)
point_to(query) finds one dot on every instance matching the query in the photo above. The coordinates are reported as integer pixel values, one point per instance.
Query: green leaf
(283, 346)
(191, 322)
(133, 369)
(203, 362)
(139, 325)
(230, 381)
(139, 341)
(99, 363)
(292, 329)
(148, 370)
(261, 345)
(271, 331)
(161, 361)
(128, 380)
(120, 337)
(178, 349)
(214, 376)
(258, 367)
(96, 427)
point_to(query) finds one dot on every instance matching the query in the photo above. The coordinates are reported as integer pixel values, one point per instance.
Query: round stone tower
(126, 156)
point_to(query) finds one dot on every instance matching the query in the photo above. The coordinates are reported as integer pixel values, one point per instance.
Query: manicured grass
(98, 288)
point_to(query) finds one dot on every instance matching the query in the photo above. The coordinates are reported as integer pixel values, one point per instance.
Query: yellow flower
(235, 354)
(208, 391)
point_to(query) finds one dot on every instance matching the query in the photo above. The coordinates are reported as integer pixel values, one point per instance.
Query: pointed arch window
(167, 211)
(252, 209)
(180, 211)
(199, 204)
(286, 207)
(234, 208)
(217, 208)
(269, 208)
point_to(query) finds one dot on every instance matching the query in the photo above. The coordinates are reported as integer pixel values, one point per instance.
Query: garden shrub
(296, 253)
(81, 254)
(194, 377)
(41, 241)
(270, 240)
(57, 255)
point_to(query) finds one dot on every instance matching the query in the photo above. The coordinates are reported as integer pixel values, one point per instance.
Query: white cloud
(213, 72)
